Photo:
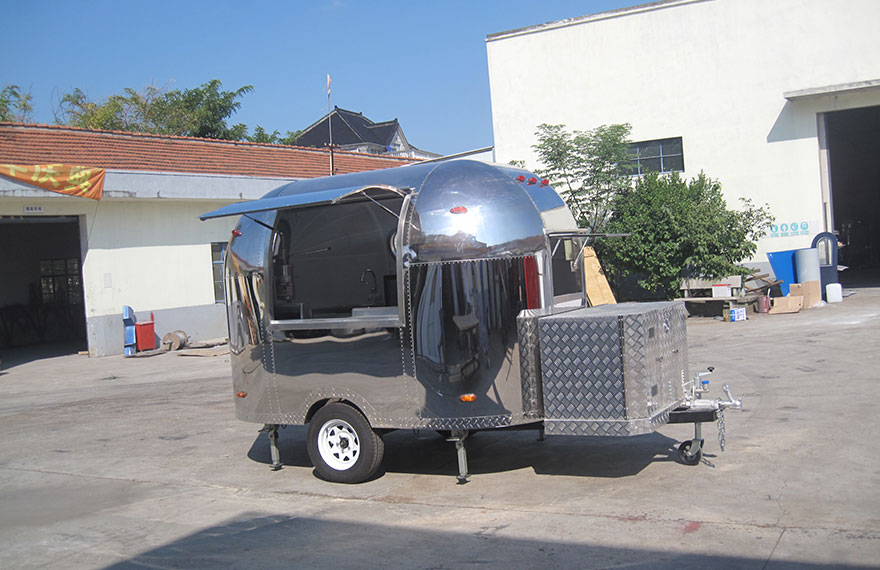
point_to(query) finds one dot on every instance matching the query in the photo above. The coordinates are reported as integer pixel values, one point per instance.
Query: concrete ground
(131, 463)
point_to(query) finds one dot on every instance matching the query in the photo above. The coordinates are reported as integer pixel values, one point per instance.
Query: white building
(779, 100)
(70, 264)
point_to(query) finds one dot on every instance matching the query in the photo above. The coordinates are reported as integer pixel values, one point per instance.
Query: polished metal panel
(470, 210)
(363, 366)
(544, 197)
(613, 369)
(530, 362)
(248, 342)
(463, 325)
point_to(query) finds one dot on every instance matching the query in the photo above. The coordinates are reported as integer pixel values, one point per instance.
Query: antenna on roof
(330, 125)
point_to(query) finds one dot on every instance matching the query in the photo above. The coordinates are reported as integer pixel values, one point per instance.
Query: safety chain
(721, 433)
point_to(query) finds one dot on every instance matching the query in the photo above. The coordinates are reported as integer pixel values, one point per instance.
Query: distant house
(353, 132)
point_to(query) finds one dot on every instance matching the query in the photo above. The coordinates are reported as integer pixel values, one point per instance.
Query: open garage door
(854, 147)
(41, 293)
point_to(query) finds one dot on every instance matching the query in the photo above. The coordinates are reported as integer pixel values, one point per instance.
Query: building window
(60, 281)
(664, 155)
(218, 254)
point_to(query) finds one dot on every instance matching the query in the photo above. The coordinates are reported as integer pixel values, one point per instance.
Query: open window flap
(330, 196)
(394, 189)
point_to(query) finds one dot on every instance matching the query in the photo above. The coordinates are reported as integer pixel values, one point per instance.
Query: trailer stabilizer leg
(458, 436)
(272, 430)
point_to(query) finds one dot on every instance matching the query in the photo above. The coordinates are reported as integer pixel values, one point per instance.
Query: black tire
(684, 455)
(342, 445)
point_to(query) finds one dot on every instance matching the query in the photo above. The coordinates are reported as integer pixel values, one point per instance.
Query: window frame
(636, 168)
(221, 263)
(388, 316)
(52, 277)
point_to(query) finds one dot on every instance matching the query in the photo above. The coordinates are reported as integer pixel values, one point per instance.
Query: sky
(421, 62)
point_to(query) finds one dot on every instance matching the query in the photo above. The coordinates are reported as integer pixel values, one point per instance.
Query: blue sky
(423, 63)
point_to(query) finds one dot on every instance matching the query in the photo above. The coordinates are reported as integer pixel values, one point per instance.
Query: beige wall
(712, 72)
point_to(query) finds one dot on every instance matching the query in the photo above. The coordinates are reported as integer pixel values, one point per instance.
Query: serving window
(335, 263)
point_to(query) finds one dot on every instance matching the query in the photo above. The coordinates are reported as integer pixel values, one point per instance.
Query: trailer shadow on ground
(426, 452)
(263, 540)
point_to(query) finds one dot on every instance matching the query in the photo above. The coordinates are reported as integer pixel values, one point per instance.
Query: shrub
(680, 229)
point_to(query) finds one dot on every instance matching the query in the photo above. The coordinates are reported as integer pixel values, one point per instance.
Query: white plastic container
(833, 293)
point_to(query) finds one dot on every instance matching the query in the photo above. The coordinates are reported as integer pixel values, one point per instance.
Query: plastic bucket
(834, 293)
(763, 305)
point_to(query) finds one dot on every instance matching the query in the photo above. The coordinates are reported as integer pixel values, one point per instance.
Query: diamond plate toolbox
(612, 369)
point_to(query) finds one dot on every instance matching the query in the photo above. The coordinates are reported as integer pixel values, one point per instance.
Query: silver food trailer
(442, 295)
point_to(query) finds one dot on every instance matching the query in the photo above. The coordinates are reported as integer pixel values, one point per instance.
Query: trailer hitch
(697, 410)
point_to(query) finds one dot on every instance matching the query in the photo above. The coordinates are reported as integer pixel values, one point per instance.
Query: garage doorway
(854, 144)
(41, 293)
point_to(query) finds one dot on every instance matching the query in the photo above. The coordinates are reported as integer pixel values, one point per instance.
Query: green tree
(679, 229)
(198, 112)
(15, 106)
(261, 136)
(590, 168)
(202, 111)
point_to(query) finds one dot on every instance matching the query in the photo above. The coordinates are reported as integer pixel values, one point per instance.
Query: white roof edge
(621, 12)
(831, 89)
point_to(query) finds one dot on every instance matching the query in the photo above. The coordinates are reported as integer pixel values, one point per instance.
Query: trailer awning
(330, 196)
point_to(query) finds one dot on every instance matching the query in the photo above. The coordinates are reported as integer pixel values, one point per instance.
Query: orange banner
(71, 180)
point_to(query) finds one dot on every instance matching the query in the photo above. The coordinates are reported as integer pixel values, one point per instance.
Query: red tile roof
(48, 144)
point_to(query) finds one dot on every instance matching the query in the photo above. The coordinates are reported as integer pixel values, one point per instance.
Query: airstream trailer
(442, 295)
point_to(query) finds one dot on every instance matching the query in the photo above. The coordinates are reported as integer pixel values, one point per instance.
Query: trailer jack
(272, 430)
(458, 436)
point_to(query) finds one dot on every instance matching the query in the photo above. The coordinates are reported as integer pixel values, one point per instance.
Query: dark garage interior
(41, 293)
(854, 148)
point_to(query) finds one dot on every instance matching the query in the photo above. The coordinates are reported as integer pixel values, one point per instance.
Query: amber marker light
(241, 394)
(468, 397)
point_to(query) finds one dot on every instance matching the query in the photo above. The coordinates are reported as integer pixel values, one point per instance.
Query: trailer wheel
(684, 453)
(342, 445)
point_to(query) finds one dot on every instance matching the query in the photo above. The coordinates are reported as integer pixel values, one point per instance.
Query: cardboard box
(790, 304)
(811, 291)
(735, 314)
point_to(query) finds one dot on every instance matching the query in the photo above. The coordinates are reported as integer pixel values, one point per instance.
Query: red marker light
(458, 210)
(241, 394)
(545, 182)
(521, 178)
(236, 233)
(533, 180)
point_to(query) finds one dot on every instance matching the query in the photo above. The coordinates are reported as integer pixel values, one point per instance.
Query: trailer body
(445, 295)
